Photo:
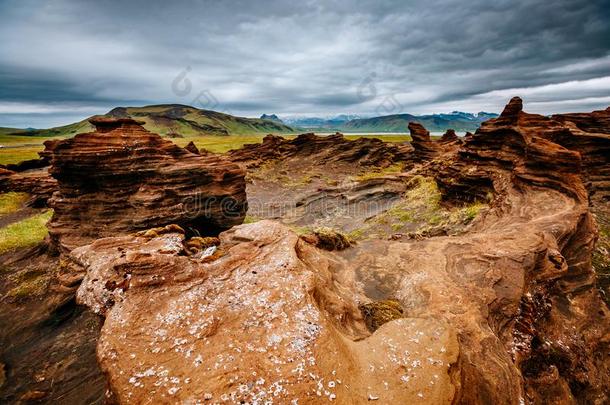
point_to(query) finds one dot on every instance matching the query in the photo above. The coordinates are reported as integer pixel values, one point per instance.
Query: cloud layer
(63, 60)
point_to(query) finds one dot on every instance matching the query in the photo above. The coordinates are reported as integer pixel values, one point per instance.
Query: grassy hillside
(176, 120)
(179, 122)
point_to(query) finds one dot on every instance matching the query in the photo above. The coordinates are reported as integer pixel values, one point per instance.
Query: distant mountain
(319, 123)
(271, 117)
(457, 120)
(176, 119)
(171, 120)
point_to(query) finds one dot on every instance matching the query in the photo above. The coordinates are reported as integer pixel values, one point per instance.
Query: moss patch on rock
(25, 233)
(11, 202)
(328, 239)
(377, 313)
(28, 284)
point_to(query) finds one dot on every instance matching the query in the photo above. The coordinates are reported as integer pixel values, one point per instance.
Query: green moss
(420, 210)
(379, 172)
(355, 235)
(300, 230)
(331, 239)
(249, 219)
(11, 202)
(25, 233)
(379, 312)
(29, 284)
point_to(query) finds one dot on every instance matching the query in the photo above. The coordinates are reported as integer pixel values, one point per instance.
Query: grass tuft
(11, 202)
(379, 172)
(29, 284)
(25, 233)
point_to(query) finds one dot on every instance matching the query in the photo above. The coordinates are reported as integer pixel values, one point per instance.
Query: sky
(61, 61)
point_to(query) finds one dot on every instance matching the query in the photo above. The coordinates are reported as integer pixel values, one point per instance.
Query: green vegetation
(434, 123)
(25, 233)
(18, 154)
(205, 128)
(29, 283)
(250, 219)
(377, 313)
(355, 235)
(397, 138)
(379, 172)
(601, 259)
(191, 122)
(300, 230)
(11, 202)
(421, 209)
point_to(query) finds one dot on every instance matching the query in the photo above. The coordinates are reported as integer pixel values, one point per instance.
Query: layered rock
(542, 222)
(449, 136)
(269, 321)
(516, 143)
(324, 149)
(589, 134)
(122, 178)
(29, 176)
(38, 183)
(427, 149)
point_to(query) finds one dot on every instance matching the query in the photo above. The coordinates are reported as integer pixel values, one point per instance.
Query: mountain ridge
(178, 120)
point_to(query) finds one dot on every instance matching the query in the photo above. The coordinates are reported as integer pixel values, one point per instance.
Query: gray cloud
(66, 59)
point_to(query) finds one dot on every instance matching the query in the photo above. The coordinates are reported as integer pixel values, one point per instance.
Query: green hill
(172, 120)
(65, 130)
(175, 120)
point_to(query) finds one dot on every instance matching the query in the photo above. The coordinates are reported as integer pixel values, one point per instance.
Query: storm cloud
(61, 61)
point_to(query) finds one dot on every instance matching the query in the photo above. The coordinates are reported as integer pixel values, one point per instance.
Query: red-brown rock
(323, 150)
(123, 178)
(427, 149)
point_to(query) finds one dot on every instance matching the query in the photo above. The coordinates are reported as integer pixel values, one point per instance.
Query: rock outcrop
(266, 322)
(589, 134)
(449, 136)
(427, 149)
(123, 178)
(37, 182)
(324, 149)
(506, 313)
(542, 209)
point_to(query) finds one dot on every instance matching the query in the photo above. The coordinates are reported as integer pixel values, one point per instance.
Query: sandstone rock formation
(123, 178)
(425, 148)
(449, 136)
(589, 134)
(191, 147)
(505, 313)
(267, 322)
(326, 149)
(36, 182)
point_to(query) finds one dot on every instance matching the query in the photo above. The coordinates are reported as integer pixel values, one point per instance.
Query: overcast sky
(61, 61)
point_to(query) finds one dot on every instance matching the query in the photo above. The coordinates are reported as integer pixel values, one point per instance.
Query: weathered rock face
(30, 176)
(427, 149)
(506, 312)
(268, 321)
(449, 136)
(516, 142)
(326, 149)
(543, 225)
(36, 182)
(589, 134)
(123, 178)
